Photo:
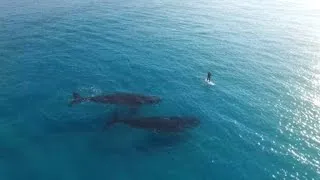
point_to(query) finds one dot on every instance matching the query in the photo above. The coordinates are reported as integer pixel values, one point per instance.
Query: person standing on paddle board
(209, 77)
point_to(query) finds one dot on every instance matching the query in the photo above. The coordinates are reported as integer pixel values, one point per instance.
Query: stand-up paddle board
(209, 82)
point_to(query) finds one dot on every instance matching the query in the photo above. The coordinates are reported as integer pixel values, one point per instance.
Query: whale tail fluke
(76, 99)
(76, 95)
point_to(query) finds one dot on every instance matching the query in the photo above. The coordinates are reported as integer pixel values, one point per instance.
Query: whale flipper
(115, 119)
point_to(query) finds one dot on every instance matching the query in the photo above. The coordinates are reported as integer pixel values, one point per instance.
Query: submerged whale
(117, 98)
(159, 124)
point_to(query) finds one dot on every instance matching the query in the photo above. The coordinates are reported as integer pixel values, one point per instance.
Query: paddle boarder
(209, 77)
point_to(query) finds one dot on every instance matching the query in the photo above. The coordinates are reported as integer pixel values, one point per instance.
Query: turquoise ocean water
(260, 120)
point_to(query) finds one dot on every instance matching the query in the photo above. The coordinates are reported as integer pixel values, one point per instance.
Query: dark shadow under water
(112, 140)
(153, 142)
